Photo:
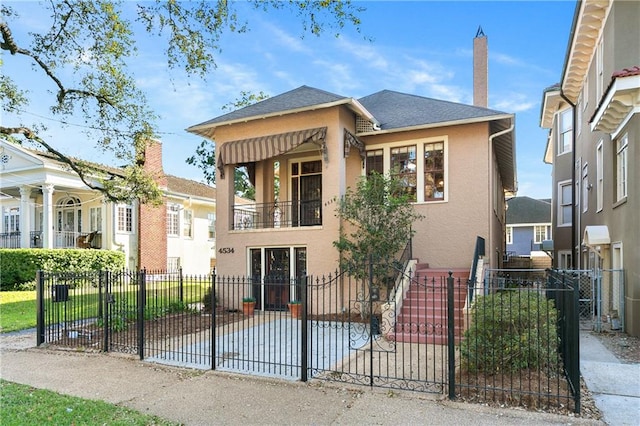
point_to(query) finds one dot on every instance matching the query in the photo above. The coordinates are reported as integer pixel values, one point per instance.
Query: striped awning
(264, 147)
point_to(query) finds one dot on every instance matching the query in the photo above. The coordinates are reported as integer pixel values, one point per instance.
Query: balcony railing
(61, 239)
(281, 214)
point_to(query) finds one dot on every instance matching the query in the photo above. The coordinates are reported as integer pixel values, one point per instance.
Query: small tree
(377, 218)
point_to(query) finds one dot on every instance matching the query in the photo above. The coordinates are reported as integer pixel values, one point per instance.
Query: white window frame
(585, 188)
(600, 176)
(564, 259)
(509, 234)
(622, 145)
(173, 220)
(11, 220)
(544, 234)
(419, 143)
(187, 223)
(124, 218)
(565, 131)
(211, 219)
(564, 204)
(95, 219)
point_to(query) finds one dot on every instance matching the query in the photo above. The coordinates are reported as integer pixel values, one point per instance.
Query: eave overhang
(587, 26)
(620, 103)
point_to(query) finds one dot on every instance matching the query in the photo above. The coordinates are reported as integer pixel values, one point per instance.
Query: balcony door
(306, 193)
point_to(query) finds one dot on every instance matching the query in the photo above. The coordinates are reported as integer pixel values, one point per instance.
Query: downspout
(491, 183)
(575, 258)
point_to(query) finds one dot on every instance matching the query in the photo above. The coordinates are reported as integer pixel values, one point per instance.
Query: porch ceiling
(265, 147)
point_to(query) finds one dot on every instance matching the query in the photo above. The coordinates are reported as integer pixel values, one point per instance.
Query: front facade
(594, 121)
(45, 205)
(304, 148)
(528, 225)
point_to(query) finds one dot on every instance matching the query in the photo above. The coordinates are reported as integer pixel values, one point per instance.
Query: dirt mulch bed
(91, 336)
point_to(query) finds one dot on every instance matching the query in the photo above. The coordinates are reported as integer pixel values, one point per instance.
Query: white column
(25, 217)
(47, 215)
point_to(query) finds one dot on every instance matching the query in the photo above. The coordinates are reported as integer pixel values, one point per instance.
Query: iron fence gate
(413, 331)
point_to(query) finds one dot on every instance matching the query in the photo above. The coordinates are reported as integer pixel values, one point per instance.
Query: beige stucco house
(305, 147)
(594, 129)
(44, 204)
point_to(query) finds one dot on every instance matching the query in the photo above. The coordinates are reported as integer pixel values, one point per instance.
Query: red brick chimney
(480, 70)
(152, 235)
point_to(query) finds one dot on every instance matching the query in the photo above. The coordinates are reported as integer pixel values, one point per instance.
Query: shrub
(206, 301)
(510, 331)
(18, 266)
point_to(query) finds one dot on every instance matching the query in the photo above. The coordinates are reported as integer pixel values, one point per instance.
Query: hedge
(18, 266)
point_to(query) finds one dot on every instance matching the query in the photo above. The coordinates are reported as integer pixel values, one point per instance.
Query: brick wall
(152, 235)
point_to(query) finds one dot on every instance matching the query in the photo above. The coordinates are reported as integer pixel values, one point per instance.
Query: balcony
(281, 214)
(61, 239)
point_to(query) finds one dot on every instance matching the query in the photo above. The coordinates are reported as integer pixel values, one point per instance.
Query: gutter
(575, 259)
(491, 183)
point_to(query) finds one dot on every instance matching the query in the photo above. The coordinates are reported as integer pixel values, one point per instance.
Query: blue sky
(418, 47)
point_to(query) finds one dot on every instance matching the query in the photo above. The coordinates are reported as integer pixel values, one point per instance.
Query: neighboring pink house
(308, 146)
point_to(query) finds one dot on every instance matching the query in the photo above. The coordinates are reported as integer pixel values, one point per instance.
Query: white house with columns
(44, 204)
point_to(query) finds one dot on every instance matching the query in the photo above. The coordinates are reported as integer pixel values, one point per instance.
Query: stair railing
(478, 252)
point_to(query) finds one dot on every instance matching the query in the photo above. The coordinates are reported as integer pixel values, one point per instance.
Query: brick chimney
(480, 70)
(152, 232)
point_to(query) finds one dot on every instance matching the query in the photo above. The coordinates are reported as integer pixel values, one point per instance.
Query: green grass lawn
(18, 308)
(24, 405)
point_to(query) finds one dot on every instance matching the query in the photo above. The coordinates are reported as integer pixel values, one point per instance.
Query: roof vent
(363, 125)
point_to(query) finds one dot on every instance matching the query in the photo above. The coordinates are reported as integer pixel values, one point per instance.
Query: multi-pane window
(434, 171)
(404, 167)
(125, 218)
(509, 234)
(374, 162)
(211, 218)
(187, 223)
(564, 205)
(12, 220)
(95, 219)
(540, 233)
(565, 135)
(173, 220)
(621, 167)
(599, 177)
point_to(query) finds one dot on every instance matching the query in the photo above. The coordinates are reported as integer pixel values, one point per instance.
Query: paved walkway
(196, 397)
(615, 386)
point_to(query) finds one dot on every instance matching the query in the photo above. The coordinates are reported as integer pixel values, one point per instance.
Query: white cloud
(513, 102)
(292, 43)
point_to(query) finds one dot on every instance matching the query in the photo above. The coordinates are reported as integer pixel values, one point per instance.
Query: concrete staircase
(423, 316)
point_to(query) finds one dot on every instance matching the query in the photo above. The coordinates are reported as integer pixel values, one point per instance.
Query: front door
(272, 272)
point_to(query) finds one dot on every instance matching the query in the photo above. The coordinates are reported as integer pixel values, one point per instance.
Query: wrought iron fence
(422, 333)
(279, 214)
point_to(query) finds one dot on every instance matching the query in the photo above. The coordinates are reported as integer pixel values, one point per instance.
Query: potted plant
(295, 307)
(248, 305)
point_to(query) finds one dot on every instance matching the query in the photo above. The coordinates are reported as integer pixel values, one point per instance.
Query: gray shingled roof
(303, 96)
(396, 110)
(528, 210)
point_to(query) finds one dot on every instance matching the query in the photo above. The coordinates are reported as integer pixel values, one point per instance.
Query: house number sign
(226, 250)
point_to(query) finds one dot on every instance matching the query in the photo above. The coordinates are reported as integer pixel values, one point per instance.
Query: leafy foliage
(378, 217)
(20, 265)
(85, 52)
(510, 331)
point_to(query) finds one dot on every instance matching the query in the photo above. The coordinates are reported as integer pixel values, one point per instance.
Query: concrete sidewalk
(196, 397)
(615, 386)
